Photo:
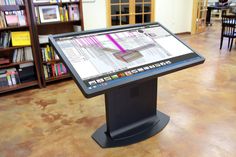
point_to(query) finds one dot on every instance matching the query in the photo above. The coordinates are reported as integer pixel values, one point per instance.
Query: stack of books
(22, 54)
(9, 77)
(11, 2)
(54, 70)
(12, 18)
(48, 54)
(21, 74)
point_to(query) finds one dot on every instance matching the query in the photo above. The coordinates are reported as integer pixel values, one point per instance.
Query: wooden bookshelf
(58, 22)
(13, 64)
(48, 3)
(51, 79)
(7, 52)
(18, 86)
(52, 61)
(14, 28)
(11, 7)
(11, 48)
(52, 28)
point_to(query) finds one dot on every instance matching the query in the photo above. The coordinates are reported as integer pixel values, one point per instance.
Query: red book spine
(53, 70)
(59, 69)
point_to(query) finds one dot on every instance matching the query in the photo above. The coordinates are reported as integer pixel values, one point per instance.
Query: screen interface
(104, 57)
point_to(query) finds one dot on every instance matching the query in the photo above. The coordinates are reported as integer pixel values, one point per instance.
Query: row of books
(54, 70)
(22, 54)
(13, 76)
(69, 12)
(12, 18)
(19, 55)
(49, 54)
(11, 2)
(15, 38)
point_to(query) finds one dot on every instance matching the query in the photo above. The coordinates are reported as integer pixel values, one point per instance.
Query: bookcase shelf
(14, 28)
(13, 64)
(52, 61)
(58, 22)
(11, 7)
(11, 48)
(60, 4)
(18, 86)
(51, 79)
(11, 70)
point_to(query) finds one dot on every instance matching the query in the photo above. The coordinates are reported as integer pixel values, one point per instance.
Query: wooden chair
(228, 29)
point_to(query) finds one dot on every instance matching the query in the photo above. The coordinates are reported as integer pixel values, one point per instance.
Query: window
(123, 12)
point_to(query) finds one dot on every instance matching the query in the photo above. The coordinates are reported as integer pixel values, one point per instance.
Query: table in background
(214, 7)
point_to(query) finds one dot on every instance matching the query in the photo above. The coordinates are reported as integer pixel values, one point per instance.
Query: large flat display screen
(102, 58)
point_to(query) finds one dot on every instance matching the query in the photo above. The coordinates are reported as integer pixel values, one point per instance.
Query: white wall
(176, 15)
(94, 13)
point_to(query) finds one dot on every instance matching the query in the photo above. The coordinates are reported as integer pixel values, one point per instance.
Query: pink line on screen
(84, 41)
(117, 36)
(99, 43)
(115, 43)
(78, 41)
(91, 40)
(88, 41)
(94, 41)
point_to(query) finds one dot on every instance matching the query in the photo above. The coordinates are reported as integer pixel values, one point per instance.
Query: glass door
(199, 16)
(123, 12)
(143, 11)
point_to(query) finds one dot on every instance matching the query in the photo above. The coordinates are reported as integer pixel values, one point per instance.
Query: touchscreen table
(124, 63)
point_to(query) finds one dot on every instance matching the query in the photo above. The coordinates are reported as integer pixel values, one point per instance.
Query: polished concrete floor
(201, 101)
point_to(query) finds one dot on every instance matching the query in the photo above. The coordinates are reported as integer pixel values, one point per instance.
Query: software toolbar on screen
(100, 58)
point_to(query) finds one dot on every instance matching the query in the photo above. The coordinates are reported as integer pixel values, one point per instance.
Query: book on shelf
(5, 39)
(11, 2)
(20, 38)
(54, 70)
(73, 12)
(43, 39)
(48, 54)
(37, 18)
(22, 54)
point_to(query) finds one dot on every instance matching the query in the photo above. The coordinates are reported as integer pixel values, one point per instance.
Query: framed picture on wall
(49, 13)
(41, 1)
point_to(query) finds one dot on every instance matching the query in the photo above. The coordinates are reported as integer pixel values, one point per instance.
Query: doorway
(199, 16)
